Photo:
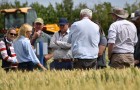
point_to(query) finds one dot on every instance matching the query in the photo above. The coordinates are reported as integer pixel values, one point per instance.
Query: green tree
(101, 14)
(65, 9)
(51, 15)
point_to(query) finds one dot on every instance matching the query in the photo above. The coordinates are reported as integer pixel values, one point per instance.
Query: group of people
(79, 46)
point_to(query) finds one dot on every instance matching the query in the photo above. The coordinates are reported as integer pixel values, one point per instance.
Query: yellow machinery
(14, 18)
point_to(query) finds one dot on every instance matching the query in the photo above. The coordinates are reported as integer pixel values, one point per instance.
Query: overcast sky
(90, 3)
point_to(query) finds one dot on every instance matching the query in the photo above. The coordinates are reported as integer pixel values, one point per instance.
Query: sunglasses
(12, 34)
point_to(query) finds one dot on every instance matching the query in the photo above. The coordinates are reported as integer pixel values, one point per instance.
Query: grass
(106, 79)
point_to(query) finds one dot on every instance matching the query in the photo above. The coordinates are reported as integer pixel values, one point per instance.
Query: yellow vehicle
(16, 17)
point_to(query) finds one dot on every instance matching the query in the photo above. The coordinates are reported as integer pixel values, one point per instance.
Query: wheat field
(105, 79)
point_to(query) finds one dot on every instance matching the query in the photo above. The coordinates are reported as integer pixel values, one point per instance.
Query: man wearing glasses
(8, 55)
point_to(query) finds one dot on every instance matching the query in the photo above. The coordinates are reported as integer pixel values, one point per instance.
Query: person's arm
(102, 45)
(101, 50)
(41, 66)
(35, 36)
(110, 48)
(63, 44)
(73, 30)
(5, 55)
(28, 49)
(112, 33)
(33, 39)
(53, 44)
(48, 56)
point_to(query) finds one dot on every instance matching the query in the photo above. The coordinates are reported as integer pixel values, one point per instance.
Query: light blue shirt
(84, 37)
(24, 50)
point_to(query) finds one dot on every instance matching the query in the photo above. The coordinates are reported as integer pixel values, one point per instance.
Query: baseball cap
(39, 20)
(136, 15)
(63, 21)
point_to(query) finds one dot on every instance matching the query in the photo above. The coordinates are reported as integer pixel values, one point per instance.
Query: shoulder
(75, 23)
(103, 40)
(22, 40)
(2, 43)
(46, 35)
(56, 33)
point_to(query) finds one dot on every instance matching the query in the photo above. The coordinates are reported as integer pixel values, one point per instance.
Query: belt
(122, 53)
(63, 60)
(78, 59)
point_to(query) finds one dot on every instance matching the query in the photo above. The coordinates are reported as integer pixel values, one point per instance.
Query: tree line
(66, 9)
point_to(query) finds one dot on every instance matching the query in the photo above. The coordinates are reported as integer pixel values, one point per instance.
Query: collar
(85, 18)
(120, 19)
(9, 42)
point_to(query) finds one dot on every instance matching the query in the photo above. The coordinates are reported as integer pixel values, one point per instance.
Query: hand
(44, 69)
(37, 34)
(14, 60)
(136, 62)
(48, 56)
(55, 42)
(41, 66)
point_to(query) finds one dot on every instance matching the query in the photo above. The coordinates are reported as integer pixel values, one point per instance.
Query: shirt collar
(85, 18)
(120, 19)
(9, 42)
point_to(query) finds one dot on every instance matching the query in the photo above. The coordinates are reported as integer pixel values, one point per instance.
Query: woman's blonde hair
(23, 29)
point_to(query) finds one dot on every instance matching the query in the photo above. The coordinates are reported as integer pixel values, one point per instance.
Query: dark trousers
(61, 65)
(85, 64)
(28, 66)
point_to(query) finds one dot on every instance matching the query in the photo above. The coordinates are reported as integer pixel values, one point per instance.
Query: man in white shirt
(122, 37)
(84, 38)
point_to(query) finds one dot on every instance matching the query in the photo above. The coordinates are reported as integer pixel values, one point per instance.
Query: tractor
(14, 18)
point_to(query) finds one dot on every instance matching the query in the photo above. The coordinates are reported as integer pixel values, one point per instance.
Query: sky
(89, 3)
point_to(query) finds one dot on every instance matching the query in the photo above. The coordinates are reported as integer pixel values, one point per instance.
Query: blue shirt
(84, 37)
(24, 50)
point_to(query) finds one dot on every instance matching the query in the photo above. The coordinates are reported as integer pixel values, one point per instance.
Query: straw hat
(120, 12)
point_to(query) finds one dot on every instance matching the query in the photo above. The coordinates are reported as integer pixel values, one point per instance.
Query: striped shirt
(4, 53)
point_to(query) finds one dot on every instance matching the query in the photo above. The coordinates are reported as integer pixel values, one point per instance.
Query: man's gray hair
(86, 12)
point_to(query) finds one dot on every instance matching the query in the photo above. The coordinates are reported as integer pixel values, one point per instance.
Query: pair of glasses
(12, 34)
